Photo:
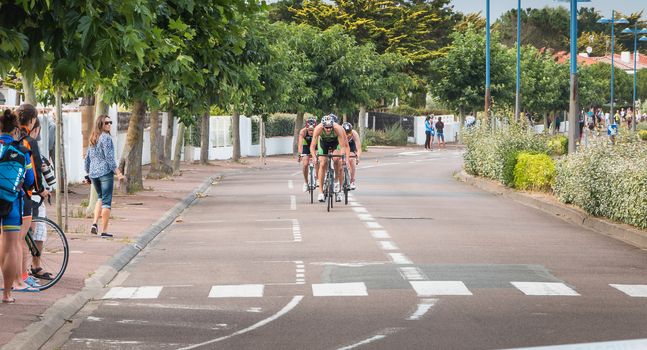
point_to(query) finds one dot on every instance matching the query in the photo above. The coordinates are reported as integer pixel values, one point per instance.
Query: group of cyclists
(319, 139)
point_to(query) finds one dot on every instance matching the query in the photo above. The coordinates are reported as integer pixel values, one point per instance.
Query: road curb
(38, 333)
(623, 232)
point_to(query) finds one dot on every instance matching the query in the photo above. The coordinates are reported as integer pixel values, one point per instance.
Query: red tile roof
(584, 60)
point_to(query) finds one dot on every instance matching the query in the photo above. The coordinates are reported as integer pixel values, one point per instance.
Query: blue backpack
(13, 164)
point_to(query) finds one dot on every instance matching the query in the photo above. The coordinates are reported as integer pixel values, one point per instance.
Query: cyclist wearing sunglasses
(329, 137)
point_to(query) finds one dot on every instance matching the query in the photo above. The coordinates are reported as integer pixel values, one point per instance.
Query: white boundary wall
(219, 141)
(451, 131)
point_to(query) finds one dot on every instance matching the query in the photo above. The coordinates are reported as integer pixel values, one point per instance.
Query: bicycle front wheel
(51, 254)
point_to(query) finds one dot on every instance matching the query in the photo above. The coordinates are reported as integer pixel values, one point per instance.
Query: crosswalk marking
(632, 290)
(412, 273)
(150, 292)
(339, 289)
(400, 259)
(544, 289)
(435, 288)
(237, 291)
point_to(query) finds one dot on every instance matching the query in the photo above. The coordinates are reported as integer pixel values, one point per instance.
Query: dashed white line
(412, 273)
(423, 308)
(290, 184)
(293, 203)
(296, 231)
(400, 259)
(364, 342)
(544, 289)
(339, 289)
(237, 291)
(365, 217)
(632, 290)
(380, 234)
(150, 292)
(434, 288)
(387, 245)
(360, 210)
(372, 224)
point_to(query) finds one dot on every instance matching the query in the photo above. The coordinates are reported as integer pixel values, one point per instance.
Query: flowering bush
(606, 181)
(492, 153)
(558, 145)
(534, 172)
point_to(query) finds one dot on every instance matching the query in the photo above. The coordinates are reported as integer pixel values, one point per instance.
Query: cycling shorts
(13, 221)
(28, 207)
(305, 150)
(352, 146)
(325, 146)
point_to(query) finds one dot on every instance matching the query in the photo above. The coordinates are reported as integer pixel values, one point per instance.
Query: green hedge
(606, 181)
(394, 135)
(276, 125)
(558, 145)
(492, 153)
(534, 172)
(643, 135)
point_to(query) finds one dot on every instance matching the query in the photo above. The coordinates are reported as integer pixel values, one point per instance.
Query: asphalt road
(416, 260)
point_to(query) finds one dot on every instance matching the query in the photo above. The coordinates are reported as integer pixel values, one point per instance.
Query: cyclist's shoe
(305, 187)
(338, 197)
(106, 235)
(336, 187)
(32, 282)
(352, 185)
(94, 229)
(321, 197)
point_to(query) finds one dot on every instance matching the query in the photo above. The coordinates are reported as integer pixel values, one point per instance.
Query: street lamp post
(487, 61)
(572, 111)
(613, 22)
(635, 32)
(517, 102)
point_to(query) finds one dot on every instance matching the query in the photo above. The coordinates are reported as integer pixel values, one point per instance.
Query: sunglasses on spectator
(109, 123)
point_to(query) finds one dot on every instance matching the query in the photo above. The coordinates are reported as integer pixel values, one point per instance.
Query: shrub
(510, 162)
(641, 126)
(558, 145)
(491, 153)
(606, 181)
(643, 135)
(394, 135)
(534, 172)
(280, 125)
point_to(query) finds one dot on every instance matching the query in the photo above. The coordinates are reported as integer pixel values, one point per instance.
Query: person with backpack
(15, 175)
(28, 117)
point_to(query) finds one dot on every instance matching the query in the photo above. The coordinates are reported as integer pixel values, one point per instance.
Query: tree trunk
(58, 165)
(298, 124)
(87, 118)
(235, 136)
(28, 89)
(166, 167)
(261, 139)
(344, 118)
(179, 145)
(156, 162)
(131, 159)
(204, 138)
(360, 122)
(100, 107)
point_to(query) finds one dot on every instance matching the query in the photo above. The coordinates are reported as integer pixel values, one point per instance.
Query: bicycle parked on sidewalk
(49, 250)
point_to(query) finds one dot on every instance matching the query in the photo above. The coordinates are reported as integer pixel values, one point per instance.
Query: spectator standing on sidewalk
(101, 168)
(440, 129)
(429, 132)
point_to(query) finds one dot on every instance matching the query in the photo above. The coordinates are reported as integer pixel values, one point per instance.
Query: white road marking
(372, 224)
(354, 204)
(270, 220)
(632, 290)
(423, 308)
(544, 289)
(339, 289)
(412, 273)
(151, 292)
(635, 344)
(293, 203)
(94, 319)
(291, 305)
(380, 335)
(76, 252)
(360, 210)
(290, 184)
(380, 234)
(365, 217)
(276, 228)
(387, 245)
(296, 231)
(399, 258)
(435, 288)
(237, 291)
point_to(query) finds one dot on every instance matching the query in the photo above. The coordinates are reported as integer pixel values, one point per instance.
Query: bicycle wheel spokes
(54, 252)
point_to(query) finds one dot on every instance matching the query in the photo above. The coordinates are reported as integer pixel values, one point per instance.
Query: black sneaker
(94, 229)
(106, 235)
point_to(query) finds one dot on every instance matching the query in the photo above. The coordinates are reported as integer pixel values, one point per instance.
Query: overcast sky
(498, 7)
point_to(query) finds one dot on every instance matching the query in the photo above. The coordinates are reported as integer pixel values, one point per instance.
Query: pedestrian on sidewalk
(429, 132)
(101, 168)
(16, 168)
(440, 134)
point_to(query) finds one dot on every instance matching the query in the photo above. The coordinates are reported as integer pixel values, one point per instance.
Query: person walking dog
(101, 168)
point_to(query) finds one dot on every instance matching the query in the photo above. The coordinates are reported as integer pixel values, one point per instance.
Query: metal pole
(572, 115)
(633, 105)
(517, 104)
(613, 19)
(487, 61)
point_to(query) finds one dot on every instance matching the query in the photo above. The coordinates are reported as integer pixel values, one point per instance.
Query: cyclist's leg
(339, 175)
(323, 164)
(304, 162)
(24, 256)
(353, 167)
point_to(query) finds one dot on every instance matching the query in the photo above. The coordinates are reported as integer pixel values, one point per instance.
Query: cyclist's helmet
(348, 127)
(327, 121)
(311, 122)
(335, 118)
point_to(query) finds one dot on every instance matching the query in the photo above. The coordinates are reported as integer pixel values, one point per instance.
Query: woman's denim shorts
(103, 185)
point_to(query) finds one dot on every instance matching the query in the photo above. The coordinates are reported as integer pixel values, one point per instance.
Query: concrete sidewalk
(132, 216)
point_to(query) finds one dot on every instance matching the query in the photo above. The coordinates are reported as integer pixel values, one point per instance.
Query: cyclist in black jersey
(305, 139)
(329, 136)
(355, 148)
